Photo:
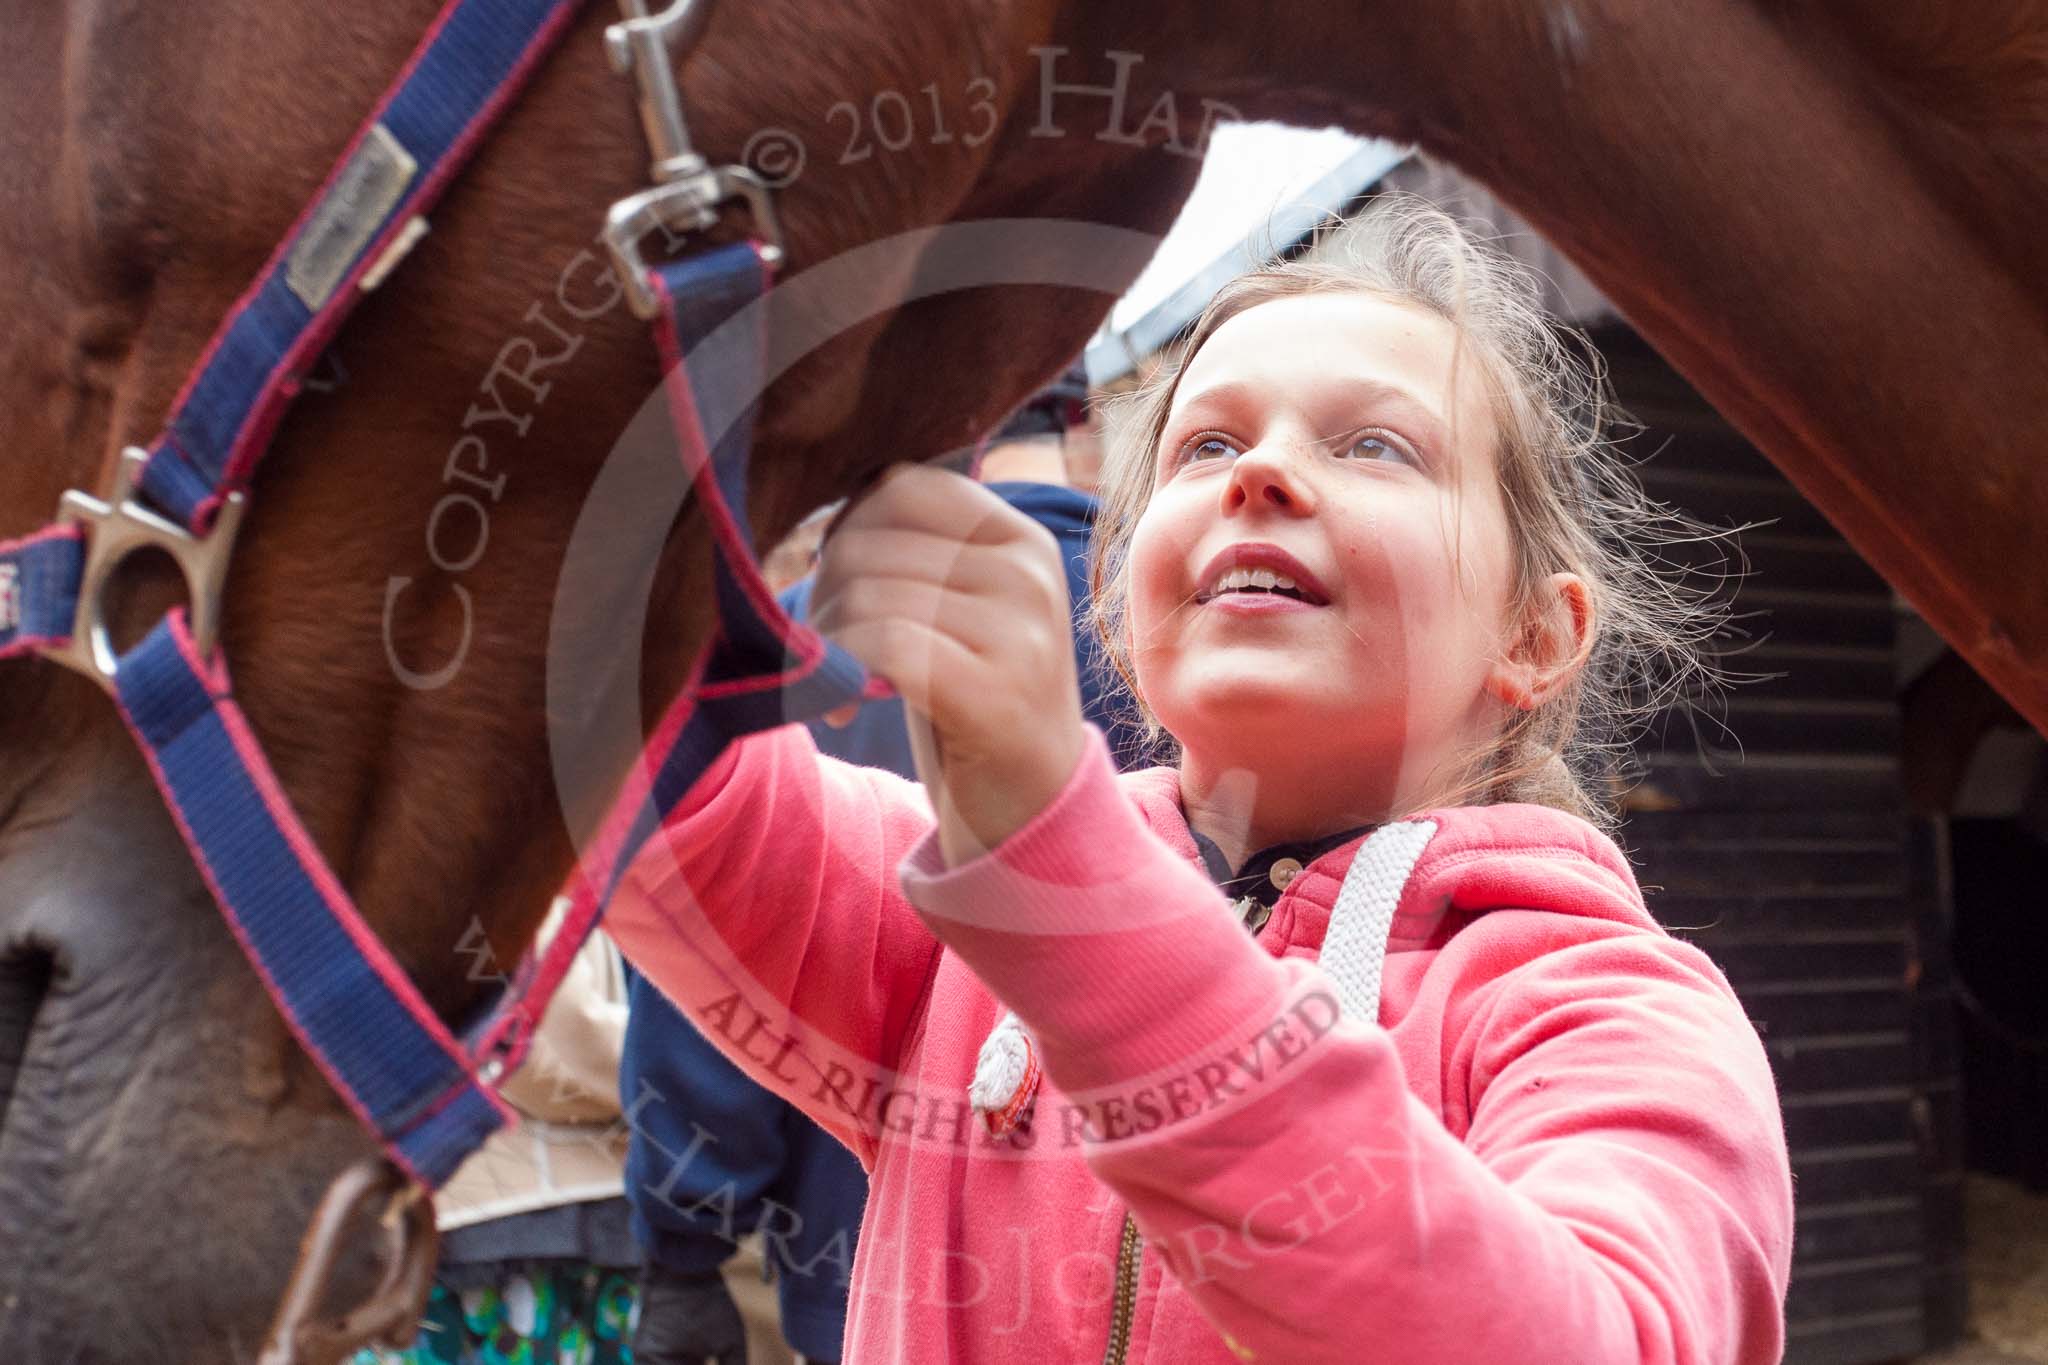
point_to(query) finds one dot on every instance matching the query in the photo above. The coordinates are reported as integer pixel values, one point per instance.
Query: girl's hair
(1572, 503)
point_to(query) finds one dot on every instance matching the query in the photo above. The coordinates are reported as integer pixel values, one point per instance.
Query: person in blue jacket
(712, 1156)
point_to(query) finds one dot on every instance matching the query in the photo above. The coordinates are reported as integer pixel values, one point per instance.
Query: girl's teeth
(1263, 579)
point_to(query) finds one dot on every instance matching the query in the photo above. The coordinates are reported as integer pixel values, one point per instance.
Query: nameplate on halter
(355, 205)
(10, 597)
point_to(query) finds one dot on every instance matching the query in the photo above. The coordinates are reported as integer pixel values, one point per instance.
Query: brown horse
(1828, 216)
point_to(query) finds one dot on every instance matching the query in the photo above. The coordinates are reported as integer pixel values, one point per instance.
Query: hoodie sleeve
(767, 911)
(1622, 1194)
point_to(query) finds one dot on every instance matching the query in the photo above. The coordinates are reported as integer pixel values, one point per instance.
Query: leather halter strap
(427, 1095)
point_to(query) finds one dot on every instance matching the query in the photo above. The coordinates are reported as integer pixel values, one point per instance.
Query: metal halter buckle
(117, 528)
(687, 189)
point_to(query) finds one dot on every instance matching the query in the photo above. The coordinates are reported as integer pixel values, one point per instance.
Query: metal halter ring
(687, 189)
(117, 528)
(300, 1335)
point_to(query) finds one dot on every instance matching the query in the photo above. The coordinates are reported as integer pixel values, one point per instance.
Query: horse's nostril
(24, 981)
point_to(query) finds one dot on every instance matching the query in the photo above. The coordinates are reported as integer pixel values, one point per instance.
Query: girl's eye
(1206, 448)
(1377, 444)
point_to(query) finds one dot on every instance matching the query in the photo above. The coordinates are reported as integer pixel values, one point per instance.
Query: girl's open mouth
(1259, 578)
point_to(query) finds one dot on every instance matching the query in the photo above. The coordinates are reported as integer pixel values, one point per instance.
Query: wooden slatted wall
(1787, 853)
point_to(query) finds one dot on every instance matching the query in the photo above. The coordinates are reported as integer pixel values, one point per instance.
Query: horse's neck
(1966, 90)
(1831, 264)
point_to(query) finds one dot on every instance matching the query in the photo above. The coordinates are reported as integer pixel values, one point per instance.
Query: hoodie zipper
(1130, 1248)
(1254, 912)
(1130, 1251)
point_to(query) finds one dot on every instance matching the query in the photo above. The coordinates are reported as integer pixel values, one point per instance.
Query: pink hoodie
(1559, 1140)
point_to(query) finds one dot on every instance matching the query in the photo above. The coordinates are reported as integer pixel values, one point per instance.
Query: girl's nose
(1268, 476)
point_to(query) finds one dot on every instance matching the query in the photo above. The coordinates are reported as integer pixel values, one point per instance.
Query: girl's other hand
(960, 601)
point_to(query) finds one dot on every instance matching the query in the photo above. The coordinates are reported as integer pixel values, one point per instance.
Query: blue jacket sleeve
(706, 1142)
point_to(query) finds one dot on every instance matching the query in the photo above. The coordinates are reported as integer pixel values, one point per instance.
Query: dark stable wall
(1783, 846)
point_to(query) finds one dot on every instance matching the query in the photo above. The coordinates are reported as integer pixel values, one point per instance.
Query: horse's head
(390, 607)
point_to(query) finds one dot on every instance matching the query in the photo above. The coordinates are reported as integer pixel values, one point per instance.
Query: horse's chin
(144, 1213)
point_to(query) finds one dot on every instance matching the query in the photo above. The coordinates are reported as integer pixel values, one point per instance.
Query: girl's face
(1339, 442)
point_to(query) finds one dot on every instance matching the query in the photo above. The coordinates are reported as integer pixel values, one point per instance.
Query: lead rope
(1006, 1073)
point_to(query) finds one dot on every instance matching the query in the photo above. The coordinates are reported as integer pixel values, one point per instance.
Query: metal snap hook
(687, 189)
(642, 46)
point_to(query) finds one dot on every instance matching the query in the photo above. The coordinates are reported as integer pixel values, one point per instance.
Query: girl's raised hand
(960, 601)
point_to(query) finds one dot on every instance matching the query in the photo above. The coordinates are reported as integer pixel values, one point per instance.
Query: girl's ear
(1553, 645)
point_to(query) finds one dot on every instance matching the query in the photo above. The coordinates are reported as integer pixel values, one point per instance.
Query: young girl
(1454, 1096)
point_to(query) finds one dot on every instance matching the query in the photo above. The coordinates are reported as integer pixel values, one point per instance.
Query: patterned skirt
(539, 1313)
